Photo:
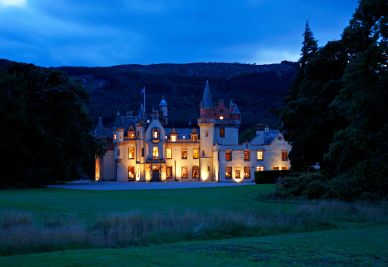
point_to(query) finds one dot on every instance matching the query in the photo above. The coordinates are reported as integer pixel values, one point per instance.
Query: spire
(163, 102)
(140, 113)
(118, 122)
(207, 101)
(99, 131)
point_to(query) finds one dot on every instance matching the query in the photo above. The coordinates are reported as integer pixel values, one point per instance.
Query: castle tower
(206, 125)
(163, 111)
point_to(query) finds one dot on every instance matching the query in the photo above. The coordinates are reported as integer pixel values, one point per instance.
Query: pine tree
(310, 46)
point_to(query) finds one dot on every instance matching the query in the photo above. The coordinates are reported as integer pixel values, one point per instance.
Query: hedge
(269, 177)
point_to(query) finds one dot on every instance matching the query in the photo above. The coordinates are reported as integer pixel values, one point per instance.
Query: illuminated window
(131, 134)
(168, 153)
(222, 132)
(131, 172)
(173, 138)
(155, 152)
(284, 155)
(185, 172)
(284, 168)
(184, 153)
(169, 172)
(195, 172)
(131, 153)
(194, 138)
(260, 155)
(228, 155)
(237, 173)
(228, 172)
(142, 151)
(247, 172)
(221, 117)
(155, 133)
(97, 170)
(247, 155)
(275, 168)
(195, 153)
(114, 136)
(259, 168)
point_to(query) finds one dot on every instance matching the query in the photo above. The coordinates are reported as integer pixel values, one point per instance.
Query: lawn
(223, 226)
(90, 204)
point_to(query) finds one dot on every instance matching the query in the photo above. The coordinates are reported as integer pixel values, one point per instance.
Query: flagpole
(144, 101)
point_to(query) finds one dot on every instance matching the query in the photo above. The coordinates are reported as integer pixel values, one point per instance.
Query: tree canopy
(46, 129)
(335, 111)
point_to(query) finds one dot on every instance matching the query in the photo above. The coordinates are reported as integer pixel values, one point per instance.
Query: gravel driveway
(89, 185)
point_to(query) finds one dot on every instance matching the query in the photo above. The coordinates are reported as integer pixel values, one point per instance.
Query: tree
(310, 46)
(46, 133)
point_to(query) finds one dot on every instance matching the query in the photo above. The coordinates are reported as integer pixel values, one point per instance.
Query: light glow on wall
(97, 169)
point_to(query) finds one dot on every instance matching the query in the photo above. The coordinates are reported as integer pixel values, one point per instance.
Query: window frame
(195, 153)
(228, 155)
(182, 153)
(131, 152)
(249, 172)
(262, 155)
(247, 152)
(222, 132)
(230, 176)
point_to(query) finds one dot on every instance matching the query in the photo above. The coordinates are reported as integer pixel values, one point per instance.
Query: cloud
(12, 3)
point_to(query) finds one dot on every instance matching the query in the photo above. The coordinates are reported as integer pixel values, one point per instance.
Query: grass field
(224, 226)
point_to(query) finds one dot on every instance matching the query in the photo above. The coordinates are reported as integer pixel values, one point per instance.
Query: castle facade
(144, 150)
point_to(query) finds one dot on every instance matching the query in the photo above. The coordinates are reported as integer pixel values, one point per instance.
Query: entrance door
(155, 173)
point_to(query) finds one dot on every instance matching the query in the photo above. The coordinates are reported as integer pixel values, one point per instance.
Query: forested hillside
(257, 89)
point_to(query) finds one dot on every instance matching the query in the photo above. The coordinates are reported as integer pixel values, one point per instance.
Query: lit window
(184, 153)
(228, 155)
(195, 172)
(131, 153)
(169, 172)
(259, 168)
(131, 172)
(173, 138)
(222, 132)
(221, 117)
(276, 168)
(247, 172)
(237, 173)
(247, 155)
(168, 153)
(228, 172)
(194, 138)
(260, 155)
(284, 168)
(155, 133)
(185, 173)
(114, 137)
(155, 152)
(131, 134)
(195, 153)
(284, 155)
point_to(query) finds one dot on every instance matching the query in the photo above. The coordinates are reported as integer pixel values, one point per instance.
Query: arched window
(155, 133)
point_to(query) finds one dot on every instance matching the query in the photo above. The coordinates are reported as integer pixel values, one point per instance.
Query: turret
(163, 111)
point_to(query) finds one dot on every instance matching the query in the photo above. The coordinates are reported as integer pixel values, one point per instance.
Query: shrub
(269, 177)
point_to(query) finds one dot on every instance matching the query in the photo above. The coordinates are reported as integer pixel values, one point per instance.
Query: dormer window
(131, 134)
(155, 133)
(173, 138)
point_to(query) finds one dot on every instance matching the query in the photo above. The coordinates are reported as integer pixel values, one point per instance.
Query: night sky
(103, 33)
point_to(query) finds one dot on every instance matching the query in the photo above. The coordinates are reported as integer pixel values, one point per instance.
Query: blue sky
(104, 33)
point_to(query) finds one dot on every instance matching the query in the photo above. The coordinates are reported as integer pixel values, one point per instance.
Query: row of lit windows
(261, 168)
(237, 172)
(259, 155)
(169, 173)
(183, 153)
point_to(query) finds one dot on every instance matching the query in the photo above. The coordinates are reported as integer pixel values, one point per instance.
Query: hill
(257, 89)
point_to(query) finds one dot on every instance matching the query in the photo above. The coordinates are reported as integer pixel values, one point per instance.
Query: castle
(139, 149)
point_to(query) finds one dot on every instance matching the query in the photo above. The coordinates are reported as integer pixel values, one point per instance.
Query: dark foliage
(45, 127)
(336, 111)
(257, 89)
(269, 177)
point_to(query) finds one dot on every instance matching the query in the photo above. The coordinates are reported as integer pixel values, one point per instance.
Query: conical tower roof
(207, 101)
